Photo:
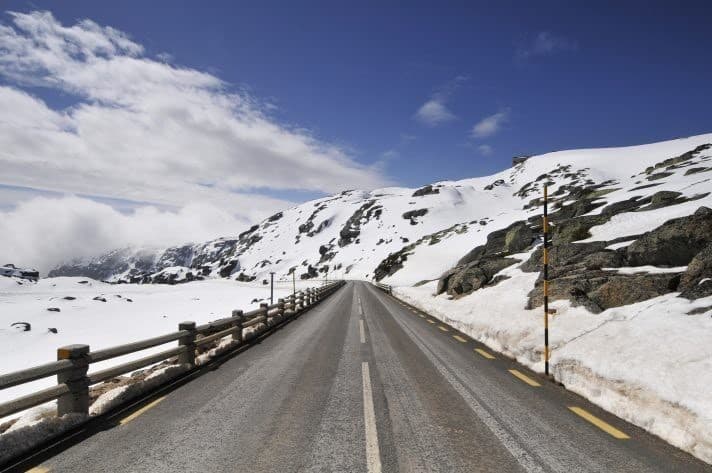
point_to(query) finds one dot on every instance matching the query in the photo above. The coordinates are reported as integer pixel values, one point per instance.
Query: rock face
(479, 267)
(426, 191)
(674, 243)
(696, 282)
(474, 275)
(575, 268)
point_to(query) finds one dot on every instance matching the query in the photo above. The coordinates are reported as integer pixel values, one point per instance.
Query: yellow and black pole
(546, 283)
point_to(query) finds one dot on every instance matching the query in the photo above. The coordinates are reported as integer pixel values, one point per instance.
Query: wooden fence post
(239, 317)
(188, 341)
(77, 399)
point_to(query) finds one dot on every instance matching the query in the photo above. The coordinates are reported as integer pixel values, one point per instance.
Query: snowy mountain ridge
(353, 232)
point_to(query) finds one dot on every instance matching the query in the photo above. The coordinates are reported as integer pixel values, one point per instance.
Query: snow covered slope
(351, 233)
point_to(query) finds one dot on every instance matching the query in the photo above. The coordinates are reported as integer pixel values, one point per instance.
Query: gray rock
(696, 282)
(674, 243)
(474, 275)
(628, 289)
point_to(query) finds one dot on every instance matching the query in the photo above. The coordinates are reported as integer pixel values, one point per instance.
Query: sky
(155, 123)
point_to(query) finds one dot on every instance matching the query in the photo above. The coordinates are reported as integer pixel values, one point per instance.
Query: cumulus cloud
(434, 111)
(490, 125)
(485, 150)
(46, 231)
(147, 130)
(545, 43)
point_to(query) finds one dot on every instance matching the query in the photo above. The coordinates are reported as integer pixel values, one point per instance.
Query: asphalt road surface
(364, 383)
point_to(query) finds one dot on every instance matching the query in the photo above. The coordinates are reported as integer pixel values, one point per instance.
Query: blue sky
(356, 72)
(212, 115)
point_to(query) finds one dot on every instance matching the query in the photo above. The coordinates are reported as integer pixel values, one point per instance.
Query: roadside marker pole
(271, 288)
(294, 282)
(546, 284)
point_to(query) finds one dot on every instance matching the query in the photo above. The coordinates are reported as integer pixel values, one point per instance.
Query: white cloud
(43, 232)
(490, 125)
(143, 129)
(485, 150)
(433, 113)
(390, 154)
(544, 44)
(148, 131)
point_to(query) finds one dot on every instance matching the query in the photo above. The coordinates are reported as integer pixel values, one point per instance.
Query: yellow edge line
(431, 321)
(137, 413)
(421, 315)
(484, 353)
(603, 425)
(525, 378)
(459, 338)
(443, 328)
(38, 469)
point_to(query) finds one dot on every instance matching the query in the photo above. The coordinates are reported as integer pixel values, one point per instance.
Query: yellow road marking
(484, 353)
(421, 315)
(525, 378)
(431, 321)
(443, 328)
(459, 338)
(605, 426)
(148, 406)
(38, 469)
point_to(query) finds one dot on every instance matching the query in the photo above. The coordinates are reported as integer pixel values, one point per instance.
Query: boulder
(518, 238)
(674, 243)
(426, 191)
(696, 282)
(628, 289)
(474, 275)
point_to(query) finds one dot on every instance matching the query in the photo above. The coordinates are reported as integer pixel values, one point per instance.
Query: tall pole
(294, 282)
(546, 283)
(271, 288)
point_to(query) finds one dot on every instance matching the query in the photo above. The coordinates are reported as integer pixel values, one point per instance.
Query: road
(364, 383)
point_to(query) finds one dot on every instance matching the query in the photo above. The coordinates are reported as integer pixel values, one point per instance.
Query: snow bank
(34, 427)
(647, 363)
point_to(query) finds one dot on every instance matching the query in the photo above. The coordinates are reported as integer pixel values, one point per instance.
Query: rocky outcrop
(352, 228)
(427, 190)
(479, 267)
(696, 281)
(674, 243)
(472, 276)
(413, 215)
(575, 269)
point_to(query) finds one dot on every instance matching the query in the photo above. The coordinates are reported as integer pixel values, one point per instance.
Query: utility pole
(294, 282)
(271, 287)
(546, 283)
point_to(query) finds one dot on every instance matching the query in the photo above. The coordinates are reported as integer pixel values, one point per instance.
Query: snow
(155, 310)
(621, 244)
(647, 269)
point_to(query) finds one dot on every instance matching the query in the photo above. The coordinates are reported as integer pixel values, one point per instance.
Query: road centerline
(484, 353)
(361, 331)
(521, 376)
(373, 456)
(600, 423)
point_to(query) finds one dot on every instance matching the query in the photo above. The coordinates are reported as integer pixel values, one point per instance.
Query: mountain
(408, 236)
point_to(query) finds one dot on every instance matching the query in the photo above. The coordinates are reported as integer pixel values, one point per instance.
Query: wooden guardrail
(384, 287)
(73, 361)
